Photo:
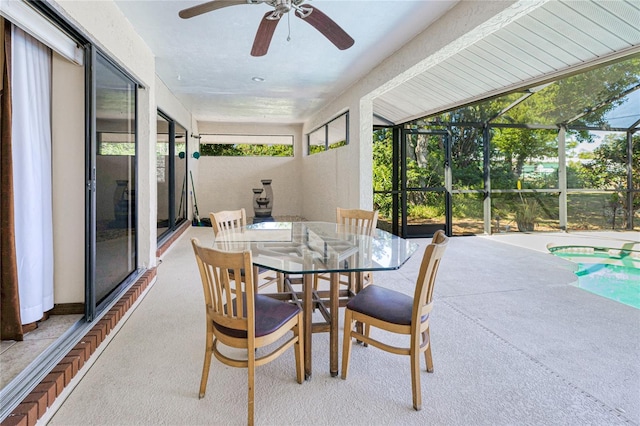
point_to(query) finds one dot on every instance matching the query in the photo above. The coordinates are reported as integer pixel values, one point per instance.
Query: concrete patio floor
(513, 343)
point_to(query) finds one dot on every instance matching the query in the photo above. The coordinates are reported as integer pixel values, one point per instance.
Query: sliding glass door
(112, 182)
(171, 175)
(180, 175)
(164, 129)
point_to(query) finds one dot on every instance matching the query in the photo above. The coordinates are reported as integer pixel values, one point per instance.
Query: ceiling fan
(267, 27)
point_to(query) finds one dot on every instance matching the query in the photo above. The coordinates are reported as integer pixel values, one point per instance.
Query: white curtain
(31, 135)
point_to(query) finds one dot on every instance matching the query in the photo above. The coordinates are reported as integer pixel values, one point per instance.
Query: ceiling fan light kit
(317, 19)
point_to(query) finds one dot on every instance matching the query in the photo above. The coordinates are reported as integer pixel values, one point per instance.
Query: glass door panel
(114, 177)
(180, 175)
(162, 175)
(171, 174)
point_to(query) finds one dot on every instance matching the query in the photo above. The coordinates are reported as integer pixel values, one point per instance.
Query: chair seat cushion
(384, 304)
(271, 314)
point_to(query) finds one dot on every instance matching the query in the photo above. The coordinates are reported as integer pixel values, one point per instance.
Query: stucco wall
(226, 183)
(339, 177)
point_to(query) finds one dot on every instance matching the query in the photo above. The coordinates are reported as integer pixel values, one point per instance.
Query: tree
(608, 169)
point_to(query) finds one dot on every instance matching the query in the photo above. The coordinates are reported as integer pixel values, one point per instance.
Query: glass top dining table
(308, 248)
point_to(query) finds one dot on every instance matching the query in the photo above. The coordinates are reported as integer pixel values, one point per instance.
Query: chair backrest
(223, 289)
(228, 219)
(363, 220)
(427, 276)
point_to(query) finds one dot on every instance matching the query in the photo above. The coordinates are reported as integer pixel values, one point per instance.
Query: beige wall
(68, 158)
(225, 183)
(331, 178)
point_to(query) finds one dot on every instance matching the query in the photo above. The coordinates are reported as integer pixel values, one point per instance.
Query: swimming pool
(607, 272)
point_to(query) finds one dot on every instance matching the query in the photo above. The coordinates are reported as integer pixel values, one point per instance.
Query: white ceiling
(205, 60)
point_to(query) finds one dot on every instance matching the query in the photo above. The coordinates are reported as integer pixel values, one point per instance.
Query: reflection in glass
(332, 135)
(337, 132)
(115, 178)
(317, 140)
(171, 173)
(180, 175)
(162, 174)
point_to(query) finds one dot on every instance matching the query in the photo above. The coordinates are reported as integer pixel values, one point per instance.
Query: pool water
(613, 273)
(619, 283)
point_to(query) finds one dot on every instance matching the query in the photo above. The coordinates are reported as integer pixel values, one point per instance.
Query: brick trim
(169, 242)
(34, 406)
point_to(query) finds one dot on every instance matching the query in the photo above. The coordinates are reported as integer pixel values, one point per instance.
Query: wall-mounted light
(195, 155)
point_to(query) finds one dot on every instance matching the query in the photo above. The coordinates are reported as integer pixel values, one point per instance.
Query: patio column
(562, 178)
(630, 187)
(487, 179)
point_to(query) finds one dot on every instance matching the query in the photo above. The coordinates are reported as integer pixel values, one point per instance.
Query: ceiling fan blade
(208, 7)
(263, 36)
(327, 27)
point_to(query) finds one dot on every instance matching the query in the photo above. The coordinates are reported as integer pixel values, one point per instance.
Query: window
(171, 175)
(246, 145)
(332, 135)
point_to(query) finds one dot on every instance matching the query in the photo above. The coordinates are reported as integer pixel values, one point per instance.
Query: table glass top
(314, 247)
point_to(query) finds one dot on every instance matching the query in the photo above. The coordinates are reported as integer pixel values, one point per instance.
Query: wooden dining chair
(239, 318)
(396, 312)
(362, 221)
(233, 219)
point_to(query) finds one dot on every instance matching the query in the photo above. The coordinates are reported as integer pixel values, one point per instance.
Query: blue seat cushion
(383, 304)
(270, 315)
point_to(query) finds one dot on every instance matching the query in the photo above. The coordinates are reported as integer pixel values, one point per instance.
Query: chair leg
(426, 337)
(280, 282)
(415, 372)
(346, 343)
(299, 349)
(256, 279)
(251, 364)
(366, 329)
(207, 364)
